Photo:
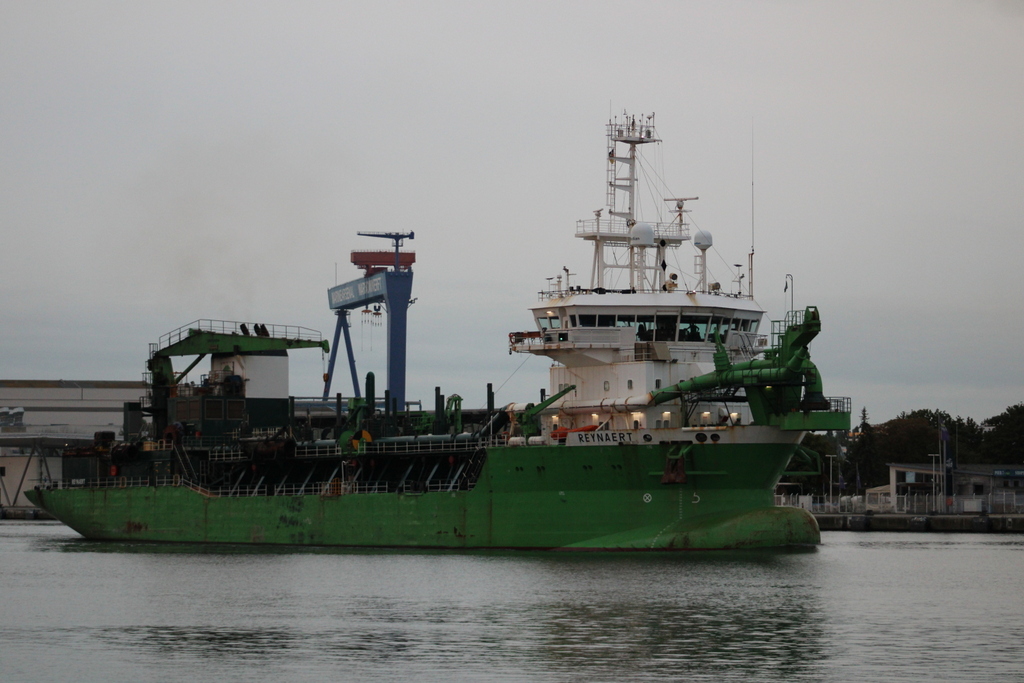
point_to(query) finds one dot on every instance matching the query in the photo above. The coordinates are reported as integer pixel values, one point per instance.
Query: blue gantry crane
(387, 280)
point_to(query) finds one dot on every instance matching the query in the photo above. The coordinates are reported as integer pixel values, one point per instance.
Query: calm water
(860, 607)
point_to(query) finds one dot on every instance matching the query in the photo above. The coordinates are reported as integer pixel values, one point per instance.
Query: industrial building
(40, 418)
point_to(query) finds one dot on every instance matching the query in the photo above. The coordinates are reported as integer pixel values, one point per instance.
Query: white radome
(702, 240)
(641, 235)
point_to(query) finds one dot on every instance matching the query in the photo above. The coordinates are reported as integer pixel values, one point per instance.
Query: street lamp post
(831, 459)
(933, 456)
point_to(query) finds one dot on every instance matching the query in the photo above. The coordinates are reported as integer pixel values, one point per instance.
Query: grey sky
(162, 163)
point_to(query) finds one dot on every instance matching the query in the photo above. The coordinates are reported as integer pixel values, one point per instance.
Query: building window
(979, 489)
(214, 409)
(187, 410)
(236, 409)
(657, 384)
(629, 384)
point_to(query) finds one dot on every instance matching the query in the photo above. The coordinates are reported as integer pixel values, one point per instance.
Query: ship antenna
(750, 258)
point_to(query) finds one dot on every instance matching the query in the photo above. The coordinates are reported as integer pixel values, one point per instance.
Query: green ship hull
(670, 415)
(531, 497)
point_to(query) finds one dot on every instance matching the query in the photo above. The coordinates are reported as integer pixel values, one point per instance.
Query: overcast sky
(163, 163)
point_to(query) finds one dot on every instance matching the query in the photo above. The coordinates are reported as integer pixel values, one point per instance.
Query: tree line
(863, 455)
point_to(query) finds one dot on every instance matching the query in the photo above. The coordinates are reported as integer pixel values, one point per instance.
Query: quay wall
(24, 512)
(945, 523)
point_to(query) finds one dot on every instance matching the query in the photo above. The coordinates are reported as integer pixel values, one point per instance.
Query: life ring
(176, 480)
(360, 436)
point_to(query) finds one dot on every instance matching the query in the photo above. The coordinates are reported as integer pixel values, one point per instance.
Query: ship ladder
(185, 462)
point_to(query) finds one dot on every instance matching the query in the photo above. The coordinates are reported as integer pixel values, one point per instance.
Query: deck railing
(235, 327)
(332, 487)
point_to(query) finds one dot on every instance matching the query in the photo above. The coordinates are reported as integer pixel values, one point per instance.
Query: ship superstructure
(620, 343)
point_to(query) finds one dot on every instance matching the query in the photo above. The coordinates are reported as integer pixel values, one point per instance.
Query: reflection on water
(861, 605)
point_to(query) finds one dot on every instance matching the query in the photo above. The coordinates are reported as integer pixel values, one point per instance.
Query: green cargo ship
(670, 417)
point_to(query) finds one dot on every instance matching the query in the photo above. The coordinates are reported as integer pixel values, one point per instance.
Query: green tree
(864, 458)
(819, 443)
(1004, 442)
(965, 435)
(907, 440)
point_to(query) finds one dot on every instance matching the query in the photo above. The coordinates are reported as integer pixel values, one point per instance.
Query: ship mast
(620, 229)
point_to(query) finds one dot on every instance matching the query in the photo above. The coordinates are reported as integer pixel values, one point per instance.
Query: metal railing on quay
(999, 502)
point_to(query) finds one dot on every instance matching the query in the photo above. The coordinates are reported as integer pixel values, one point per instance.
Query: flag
(943, 432)
(842, 483)
(786, 288)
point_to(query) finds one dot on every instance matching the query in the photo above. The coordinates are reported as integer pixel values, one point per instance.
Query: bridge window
(721, 325)
(606, 321)
(588, 321)
(644, 327)
(626, 321)
(665, 328)
(572, 321)
(693, 328)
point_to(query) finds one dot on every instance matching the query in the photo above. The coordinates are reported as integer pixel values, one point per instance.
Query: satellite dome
(702, 240)
(641, 235)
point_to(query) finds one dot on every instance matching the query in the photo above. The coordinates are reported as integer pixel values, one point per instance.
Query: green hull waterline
(536, 497)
